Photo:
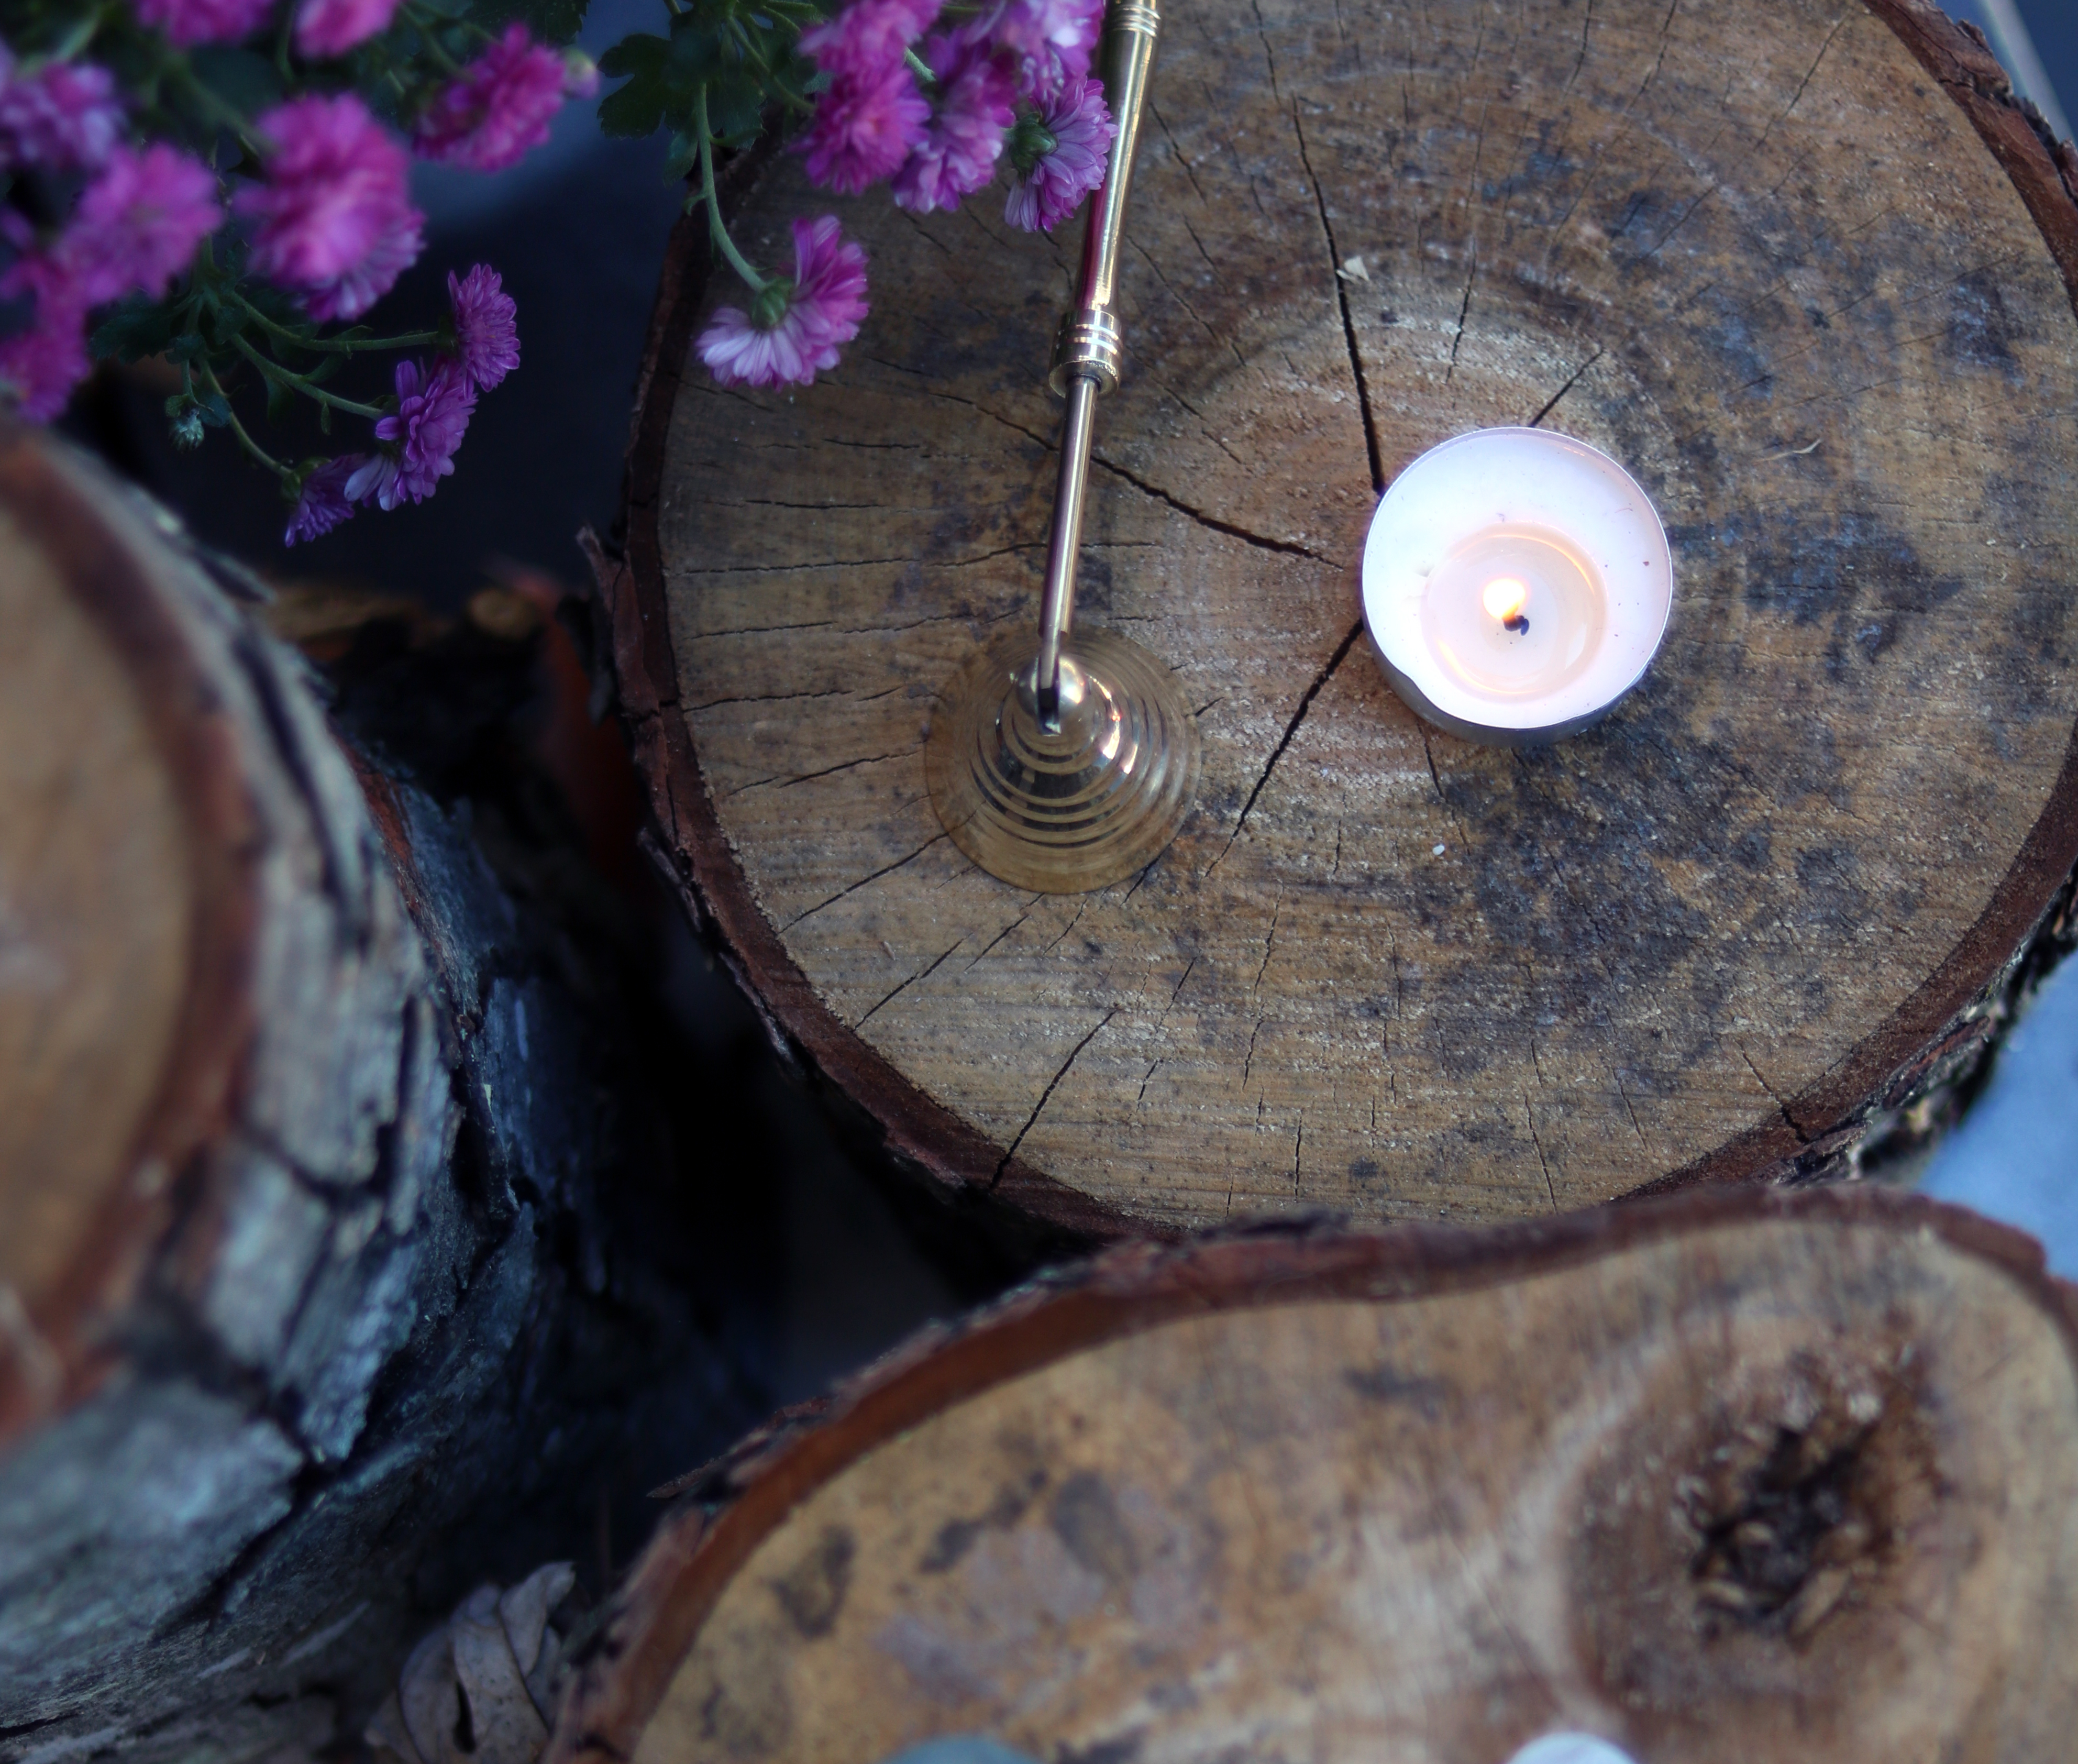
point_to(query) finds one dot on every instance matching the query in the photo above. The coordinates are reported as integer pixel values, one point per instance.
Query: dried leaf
(477, 1690)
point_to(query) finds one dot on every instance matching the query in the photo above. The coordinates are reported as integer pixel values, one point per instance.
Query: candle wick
(1518, 625)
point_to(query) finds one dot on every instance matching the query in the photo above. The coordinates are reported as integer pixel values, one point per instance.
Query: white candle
(1571, 1748)
(1516, 584)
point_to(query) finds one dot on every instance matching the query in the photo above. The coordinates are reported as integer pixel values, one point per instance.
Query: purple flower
(204, 21)
(433, 410)
(138, 224)
(1059, 156)
(64, 117)
(330, 27)
(485, 326)
(499, 109)
(1052, 40)
(43, 363)
(864, 129)
(958, 152)
(323, 502)
(794, 329)
(335, 219)
(868, 37)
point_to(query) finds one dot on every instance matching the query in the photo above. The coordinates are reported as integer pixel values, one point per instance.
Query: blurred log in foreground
(321, 1159)
(1722, 1479)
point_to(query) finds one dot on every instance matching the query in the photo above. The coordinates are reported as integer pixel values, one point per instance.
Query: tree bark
(1802, 265)
(1721, 1477)
(325, 1277)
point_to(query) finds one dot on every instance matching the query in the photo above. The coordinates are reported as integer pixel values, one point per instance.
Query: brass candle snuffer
(1068, 763)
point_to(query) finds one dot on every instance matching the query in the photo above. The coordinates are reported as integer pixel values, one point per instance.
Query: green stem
(919, 67)
(715, 230)
(238, 429)
(214, 108)
(296, 383)
(336, 346)
(426, 27)
(78, 37)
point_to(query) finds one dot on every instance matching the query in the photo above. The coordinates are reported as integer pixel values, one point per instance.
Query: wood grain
(1760, 253)
(1719, 1479)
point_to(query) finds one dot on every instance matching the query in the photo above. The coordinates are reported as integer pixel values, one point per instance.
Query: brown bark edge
(726, 1510)
(921, 1134)
(208, 1047)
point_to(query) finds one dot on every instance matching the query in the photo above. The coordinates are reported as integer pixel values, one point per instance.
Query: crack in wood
(1551, 403)
(924, 973)
(853, 887)
(1782, 1108)
(1291, 730)
(1529, 1114)
(1261, 541)
(1342, 302)
(1053, 1085)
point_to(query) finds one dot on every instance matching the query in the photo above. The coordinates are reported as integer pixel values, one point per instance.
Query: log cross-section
(1722, 1478)
(1800, 264)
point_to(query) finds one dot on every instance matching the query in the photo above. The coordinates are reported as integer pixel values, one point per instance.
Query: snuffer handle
(1086, 353)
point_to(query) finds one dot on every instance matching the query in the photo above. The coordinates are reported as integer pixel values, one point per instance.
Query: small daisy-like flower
(335, 219)
(65, 117)
(433, 410)
(958, 154)
(138, 224)
(485, 325)
(794, 329)
(330, 27)
(864, 129)
(1058, 155)
(186, 21)
(499, 109)
(322, 504)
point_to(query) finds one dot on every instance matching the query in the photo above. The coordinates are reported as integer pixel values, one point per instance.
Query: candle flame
(1504, 598)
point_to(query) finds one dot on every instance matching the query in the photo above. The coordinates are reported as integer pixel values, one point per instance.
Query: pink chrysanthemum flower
(42, 364)
(499, 109)
(1059, 157)
(485, 325)
(65, 117)
(186, 21)
(138, 224)
(794, 330)
(958, 154)
(868, 37)
(323, 502)
(330, 27)
(335, 219)
(433, 410)
(864, 129)
(1052, 40)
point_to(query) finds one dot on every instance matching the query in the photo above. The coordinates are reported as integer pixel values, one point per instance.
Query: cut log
(1719, 1477)
(312, 1136)
(1800, 264)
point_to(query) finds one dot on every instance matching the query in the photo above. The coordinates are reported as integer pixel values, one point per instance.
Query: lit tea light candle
(1515, 585)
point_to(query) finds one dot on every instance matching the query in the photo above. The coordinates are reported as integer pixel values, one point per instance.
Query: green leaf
(243, 80)
(552, 21)
(684, 156)
(137, 329)
(636, 108)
